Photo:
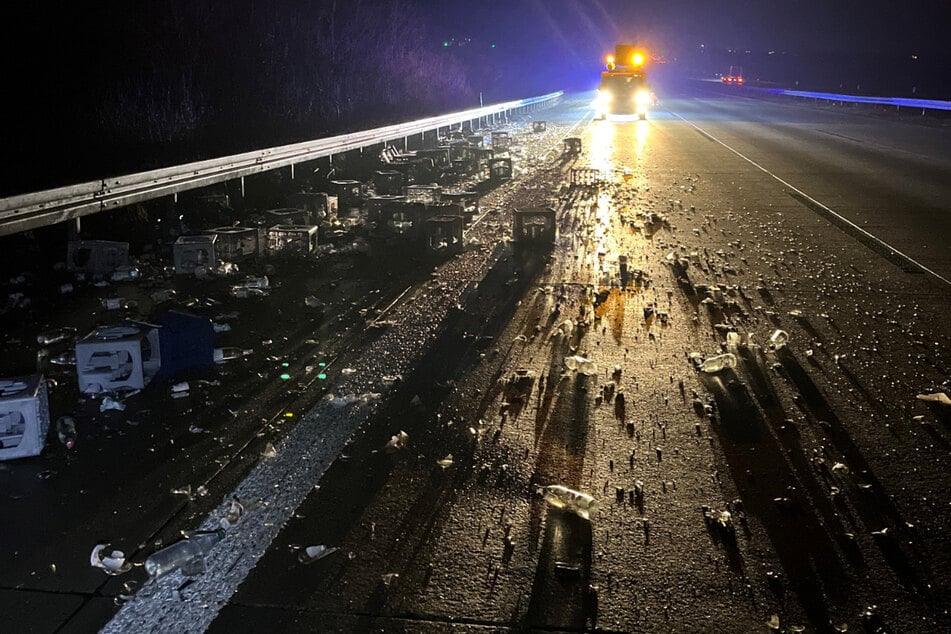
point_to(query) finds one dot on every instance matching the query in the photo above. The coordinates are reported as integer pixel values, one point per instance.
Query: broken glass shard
(314, 553)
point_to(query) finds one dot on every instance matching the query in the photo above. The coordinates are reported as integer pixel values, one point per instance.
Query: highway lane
(887, 175)
(471, 541)
(800, 444)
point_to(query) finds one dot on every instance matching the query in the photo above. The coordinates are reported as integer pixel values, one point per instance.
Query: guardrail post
(36, 209)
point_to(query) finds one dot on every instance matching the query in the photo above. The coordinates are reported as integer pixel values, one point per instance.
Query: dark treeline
(134, 85)
(292, 67)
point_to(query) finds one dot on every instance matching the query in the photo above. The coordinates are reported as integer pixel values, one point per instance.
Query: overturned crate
(349, 194)
(571, 145)
(113, 357)
(460, 150)
(377, 204)
(426, 194)
(319, 205)
(403, 219)
(501, 141)
(287, 216)
(534, 226)
(192, 252)
(483, 155)
(292, 240)
(24, 416)
(236, 244)
(586, 177)
(440, 156)
(96, 256)
(388, 182)
(413, 168)
(500, 168)
(443, 233)
(465, 158)
(468, 201)
(475, 140)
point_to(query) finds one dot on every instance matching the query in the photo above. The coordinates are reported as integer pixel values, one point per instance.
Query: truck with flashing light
(624, 89)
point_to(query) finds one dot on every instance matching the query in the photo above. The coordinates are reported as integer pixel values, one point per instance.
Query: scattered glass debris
(562, 497)
(315, 553)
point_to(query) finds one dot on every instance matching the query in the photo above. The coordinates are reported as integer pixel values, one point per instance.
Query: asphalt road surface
(804, 487)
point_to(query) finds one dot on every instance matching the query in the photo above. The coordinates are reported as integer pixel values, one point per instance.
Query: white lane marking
(815, 202)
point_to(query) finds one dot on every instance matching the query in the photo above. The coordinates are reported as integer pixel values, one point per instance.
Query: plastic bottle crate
(500, 168)
(288, 216)
(112, 357)
(388, 182)
(24, 416)
(96, 256)
(191, 252)
(501, 141)
(294, 240)
(426, 194)
(236, 244)
(444, 233)
(534, 225)
(319, 205)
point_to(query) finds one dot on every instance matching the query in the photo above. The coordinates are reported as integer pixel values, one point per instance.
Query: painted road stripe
(837, 218)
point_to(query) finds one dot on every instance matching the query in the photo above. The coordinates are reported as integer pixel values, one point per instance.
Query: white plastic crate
(321, 206)
(191, 252)
(426, 194)
(112, 357)
(24, 416)
(236, 244)
(287, 216)
(292, 239)
(96, 256)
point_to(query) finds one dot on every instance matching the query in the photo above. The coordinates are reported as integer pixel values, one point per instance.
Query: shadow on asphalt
(561, 597)
(770, 492)
(898, 544)
(337, 513)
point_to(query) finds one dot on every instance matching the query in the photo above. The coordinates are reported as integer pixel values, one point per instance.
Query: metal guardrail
(898, 102)
(52, 206)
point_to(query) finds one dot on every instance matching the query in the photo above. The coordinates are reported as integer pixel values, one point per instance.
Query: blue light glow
(929, 104)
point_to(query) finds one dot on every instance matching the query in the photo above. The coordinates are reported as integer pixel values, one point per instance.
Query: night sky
(79, 74)
(866, 47)
(40, 41)
(675, 26)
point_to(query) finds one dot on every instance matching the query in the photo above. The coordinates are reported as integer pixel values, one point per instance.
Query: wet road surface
(832, 473)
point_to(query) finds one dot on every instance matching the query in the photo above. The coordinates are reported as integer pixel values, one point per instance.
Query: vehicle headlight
(642, 98)
(603, 97)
